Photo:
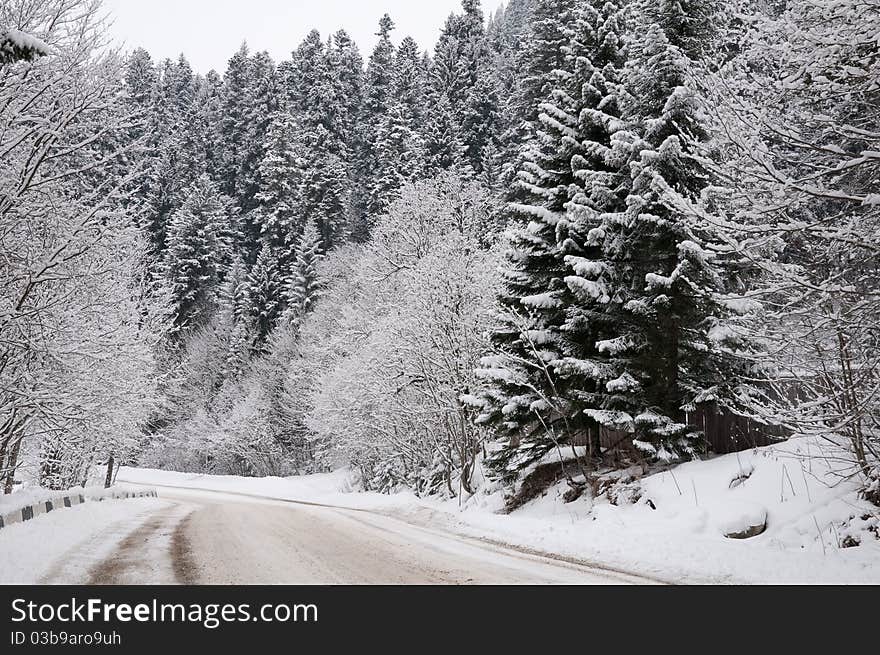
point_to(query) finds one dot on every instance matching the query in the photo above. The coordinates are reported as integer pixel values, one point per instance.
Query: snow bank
(799, 489)
(29, 550)
(33, 495)
(321, 486)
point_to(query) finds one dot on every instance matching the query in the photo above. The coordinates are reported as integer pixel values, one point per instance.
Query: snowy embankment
(35, 538)
(30, 496)
(30, 550)
(809, 509)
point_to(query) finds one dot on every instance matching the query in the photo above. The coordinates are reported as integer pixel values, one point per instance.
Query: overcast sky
(210, 31)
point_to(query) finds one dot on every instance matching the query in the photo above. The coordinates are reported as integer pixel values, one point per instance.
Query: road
(203, 537)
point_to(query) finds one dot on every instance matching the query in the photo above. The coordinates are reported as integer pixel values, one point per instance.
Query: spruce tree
(279, 195)
(541, 54)
(262, 105)
(236, 321)
(198, 251)
(399, 158)
(507, 35)
(346, 67)
(461, 72)
(408, 81)
(380, 77)
(324, 188)
(233, 128)
(541, 379)
(141, 79)
(378, 99)
(264, 291)
(302, 287)
(444, 149)
(667, 351)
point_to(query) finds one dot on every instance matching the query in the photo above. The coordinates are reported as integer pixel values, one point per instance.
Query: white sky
(209, 32)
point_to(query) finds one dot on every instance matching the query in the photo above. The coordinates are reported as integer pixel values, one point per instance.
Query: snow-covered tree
(797, 114)
(670, 348)
(540, 378)
(460, 71)
(302, 287)
(16, 45)
(198, 251)
(279, 196)
(399, 372)
(77, 373)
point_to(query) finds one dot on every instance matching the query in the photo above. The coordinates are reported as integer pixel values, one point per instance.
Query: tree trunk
(11, 465)
(109, 479)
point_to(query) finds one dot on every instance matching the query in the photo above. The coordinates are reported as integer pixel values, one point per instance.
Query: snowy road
(207, 537)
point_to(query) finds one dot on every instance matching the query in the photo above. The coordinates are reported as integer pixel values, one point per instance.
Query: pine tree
(302, 287)
(543, 378)
(264, 291)
(279, 196)
(399, 154)
(664, 351)
(198, 249)
(460, 71)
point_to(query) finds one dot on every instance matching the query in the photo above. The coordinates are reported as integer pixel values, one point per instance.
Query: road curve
(205, 537)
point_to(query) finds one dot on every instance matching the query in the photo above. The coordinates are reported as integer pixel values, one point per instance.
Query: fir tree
(235, 318)
(141, 79)
(461, 72)
(408, 83)
(250, 98)
(444, 149)
(264, 291)
(541, 54)
(551, 308)
(378, 99)
(380, 76)
(279, 196)
(233, 128)
(346, 66)
(198, 250)
(399, 153)
(302, 287)
(324, 188)
(262, 105)
(667, 351)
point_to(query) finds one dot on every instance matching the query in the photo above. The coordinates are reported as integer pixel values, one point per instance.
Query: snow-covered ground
(797, 486)
(32, 494)
(33, 550)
